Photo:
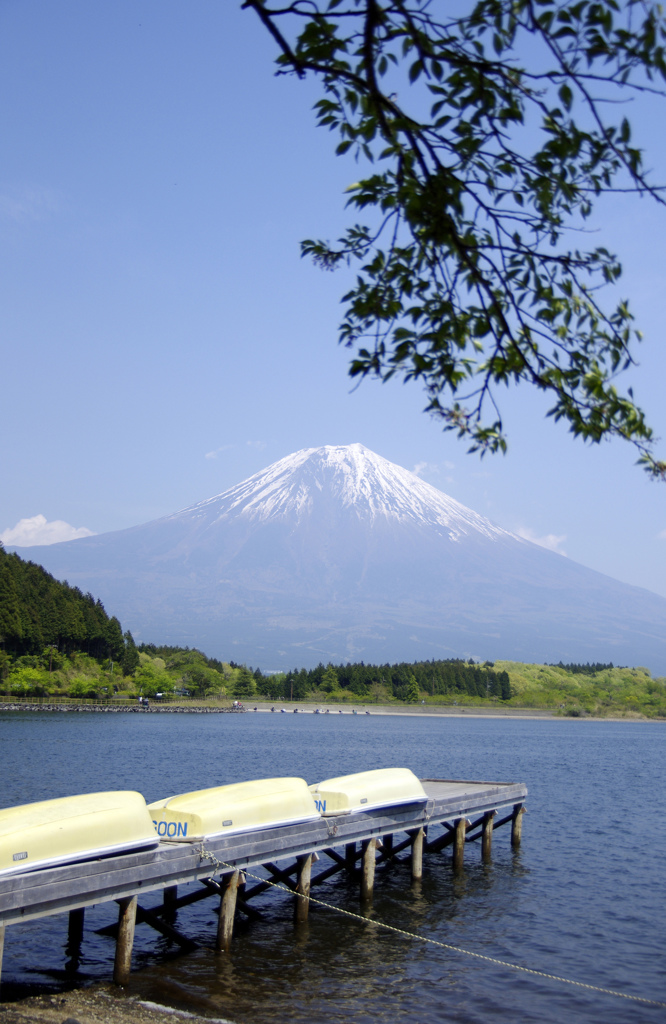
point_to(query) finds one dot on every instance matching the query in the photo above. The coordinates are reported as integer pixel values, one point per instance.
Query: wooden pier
(457, 813)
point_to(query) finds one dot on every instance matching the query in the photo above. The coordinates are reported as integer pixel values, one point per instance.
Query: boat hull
(73, 828)
(239, 807)
(367, 791)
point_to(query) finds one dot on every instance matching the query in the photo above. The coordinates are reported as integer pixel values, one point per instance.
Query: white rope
(435, 942)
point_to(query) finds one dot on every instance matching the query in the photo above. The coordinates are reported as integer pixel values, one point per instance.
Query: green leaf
(415, 70)
(566, 95)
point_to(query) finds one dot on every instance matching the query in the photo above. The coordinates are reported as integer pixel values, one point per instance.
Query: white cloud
(36, 532)
(431, 472)
(425, 469)
(552, 541)
(216, 451)
(259, 445)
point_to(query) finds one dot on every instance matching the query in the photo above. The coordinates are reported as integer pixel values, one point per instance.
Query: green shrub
(82, 687)
(28, 682)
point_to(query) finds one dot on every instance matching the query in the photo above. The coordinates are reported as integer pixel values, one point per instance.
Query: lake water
(583, 898)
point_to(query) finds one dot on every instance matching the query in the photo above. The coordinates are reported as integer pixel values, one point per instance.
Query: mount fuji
(336, 554)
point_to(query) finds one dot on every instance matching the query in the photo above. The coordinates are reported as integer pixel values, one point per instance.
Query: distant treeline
(403, 680)
(584, 670)
(434, 677)
(37, 612)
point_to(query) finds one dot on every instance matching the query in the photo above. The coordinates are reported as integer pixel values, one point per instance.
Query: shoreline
(422, 711)
(446, 711)
(118, 709)
(99, 1004)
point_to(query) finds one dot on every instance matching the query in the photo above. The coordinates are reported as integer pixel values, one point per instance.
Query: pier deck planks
(25, 897)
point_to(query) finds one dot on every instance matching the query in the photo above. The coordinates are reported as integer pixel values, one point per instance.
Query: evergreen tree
(244, 685)
(413, 694)
(272, 687)
(130, 656)
(329, 680)
(115, 644)
(302, 685)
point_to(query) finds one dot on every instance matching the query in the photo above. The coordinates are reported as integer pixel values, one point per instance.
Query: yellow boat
(240, 807)
(73, 828)
(366, 791)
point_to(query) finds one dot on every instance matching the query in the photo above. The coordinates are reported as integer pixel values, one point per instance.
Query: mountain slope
(335, 553)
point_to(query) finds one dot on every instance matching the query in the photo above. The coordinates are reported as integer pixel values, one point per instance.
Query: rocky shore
(116, 709)
(98, 1005)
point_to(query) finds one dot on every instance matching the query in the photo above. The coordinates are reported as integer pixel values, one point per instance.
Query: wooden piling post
(459, 844)
(225, 924)
(2, 946)
(350, 856)
(75, 927)
(368, 869)
(388, 846)
(125, 940)
(417, 854)
(487, 836)
(302, 904)
(517, 825)
(169, 895)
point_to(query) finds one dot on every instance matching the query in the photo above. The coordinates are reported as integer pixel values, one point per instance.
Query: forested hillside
(37, 611)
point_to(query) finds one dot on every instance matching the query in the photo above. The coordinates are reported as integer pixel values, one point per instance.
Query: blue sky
(162, 338)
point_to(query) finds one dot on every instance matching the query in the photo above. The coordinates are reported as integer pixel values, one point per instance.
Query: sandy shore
(443, 711)
(426, 711)
(98, 1005)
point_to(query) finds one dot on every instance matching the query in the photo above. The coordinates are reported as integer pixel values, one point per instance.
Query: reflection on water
(581, 899)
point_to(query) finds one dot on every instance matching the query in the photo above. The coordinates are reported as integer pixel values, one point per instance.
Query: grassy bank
(624, 692)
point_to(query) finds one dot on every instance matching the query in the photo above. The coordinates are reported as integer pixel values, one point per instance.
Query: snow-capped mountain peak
(351, 478)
